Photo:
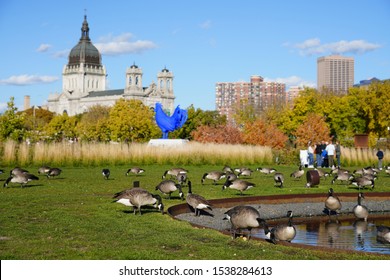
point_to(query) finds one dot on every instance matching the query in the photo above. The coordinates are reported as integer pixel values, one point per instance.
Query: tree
(197, 118)
(261, 133)
(131, 120)
(11, 123)
(222, 134)
(313, 129)
(93, 124)
(62, 127)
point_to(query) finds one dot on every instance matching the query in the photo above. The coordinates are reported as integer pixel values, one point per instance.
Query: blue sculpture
(169, 123)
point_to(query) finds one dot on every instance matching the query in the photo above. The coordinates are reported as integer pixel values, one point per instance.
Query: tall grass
(193, 153)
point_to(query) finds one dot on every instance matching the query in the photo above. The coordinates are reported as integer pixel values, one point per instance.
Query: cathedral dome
(84, 52)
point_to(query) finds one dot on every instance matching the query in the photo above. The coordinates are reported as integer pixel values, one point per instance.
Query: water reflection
(357, 235)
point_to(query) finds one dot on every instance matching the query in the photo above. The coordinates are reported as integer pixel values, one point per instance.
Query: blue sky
(201, 42)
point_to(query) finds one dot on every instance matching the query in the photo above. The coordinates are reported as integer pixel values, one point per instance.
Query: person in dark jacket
(380, 156)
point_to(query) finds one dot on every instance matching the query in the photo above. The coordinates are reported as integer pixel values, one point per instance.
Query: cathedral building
(84, 83)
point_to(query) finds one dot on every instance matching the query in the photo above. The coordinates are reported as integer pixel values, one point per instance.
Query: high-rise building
(256, 93)
(335, 73)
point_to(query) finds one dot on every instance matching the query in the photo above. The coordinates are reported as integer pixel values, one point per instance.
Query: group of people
(326, 153)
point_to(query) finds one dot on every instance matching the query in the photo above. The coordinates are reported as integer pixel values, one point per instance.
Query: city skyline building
(335, 73)
(257, 93)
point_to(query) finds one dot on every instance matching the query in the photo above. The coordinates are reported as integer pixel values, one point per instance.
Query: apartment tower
(335, 73)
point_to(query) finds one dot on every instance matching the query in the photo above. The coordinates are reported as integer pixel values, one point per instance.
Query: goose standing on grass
(360, 211)
(213, 175)
(135, 170)
(332, 202)
(43, 170)
(266, 170)
(173, 172)
(196, 201)
(53, 172)
(243, 217)
(17, 171)
(106, 173)
(239, 185)
(138, 197)
(281, 232)
(182, 178)
(21, 178)
(168, 187)
(342, 176)
(362, 182)
(298, 174)
(383, 234)
(279, 179)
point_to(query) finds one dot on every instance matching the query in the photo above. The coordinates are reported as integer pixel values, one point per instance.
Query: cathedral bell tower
(133, 81)
(165, 83)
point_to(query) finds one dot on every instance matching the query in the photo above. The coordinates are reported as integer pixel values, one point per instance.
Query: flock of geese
(241, 217)
(22, 176)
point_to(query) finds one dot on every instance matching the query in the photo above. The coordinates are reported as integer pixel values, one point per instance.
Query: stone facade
(84, 83)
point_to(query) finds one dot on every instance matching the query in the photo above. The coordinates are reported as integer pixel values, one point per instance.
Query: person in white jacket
(331, 149)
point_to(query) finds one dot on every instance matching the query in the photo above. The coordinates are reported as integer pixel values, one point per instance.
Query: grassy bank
(72, 217)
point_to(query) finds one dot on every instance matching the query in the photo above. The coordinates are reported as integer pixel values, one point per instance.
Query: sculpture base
(167, 142)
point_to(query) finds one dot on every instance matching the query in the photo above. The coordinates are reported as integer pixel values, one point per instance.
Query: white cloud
(123, 44)
(43, 48)
(23, 80)
(3, 107)
(206, 24)
(59, 54)
(292, 81)
(314, 47)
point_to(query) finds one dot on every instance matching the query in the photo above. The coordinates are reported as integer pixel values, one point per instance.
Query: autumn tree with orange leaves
(314, 129)
(221, 134)
(261, 133)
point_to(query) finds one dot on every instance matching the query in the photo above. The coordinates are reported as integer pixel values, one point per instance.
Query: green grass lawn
(72, 217)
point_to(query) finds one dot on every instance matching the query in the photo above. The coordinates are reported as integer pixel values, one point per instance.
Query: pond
(314, 228)
(356, 235)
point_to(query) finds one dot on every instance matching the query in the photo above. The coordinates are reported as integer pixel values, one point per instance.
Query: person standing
(330, 149)
(310, 153)
(380, 156)
(318, 152)
(338, 153)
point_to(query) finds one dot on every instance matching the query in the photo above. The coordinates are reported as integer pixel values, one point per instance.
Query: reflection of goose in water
(332, 228)
(383, 234)
(360, 226)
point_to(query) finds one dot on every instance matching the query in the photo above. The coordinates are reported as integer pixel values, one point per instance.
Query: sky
(201, 42)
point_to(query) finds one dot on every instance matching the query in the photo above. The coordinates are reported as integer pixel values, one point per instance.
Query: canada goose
(168, 187)
(243, 171)
(53, 172)
(43, 170)
(138, 197)
(342, 176)
(266, 170)
(174, 172)
(182, 178)
(196, 201)
(135, 170)
(279, 179)
(243, 217)
(362, 182)
(106, 173)
(281, 232)
(383, 234)
(332, 202)
(337, 169)
(20, 178)
(360, 211)
(298, 174)
(213, 175)
(238, 184)
(231, 176)
(17, 170)
(227, 169)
